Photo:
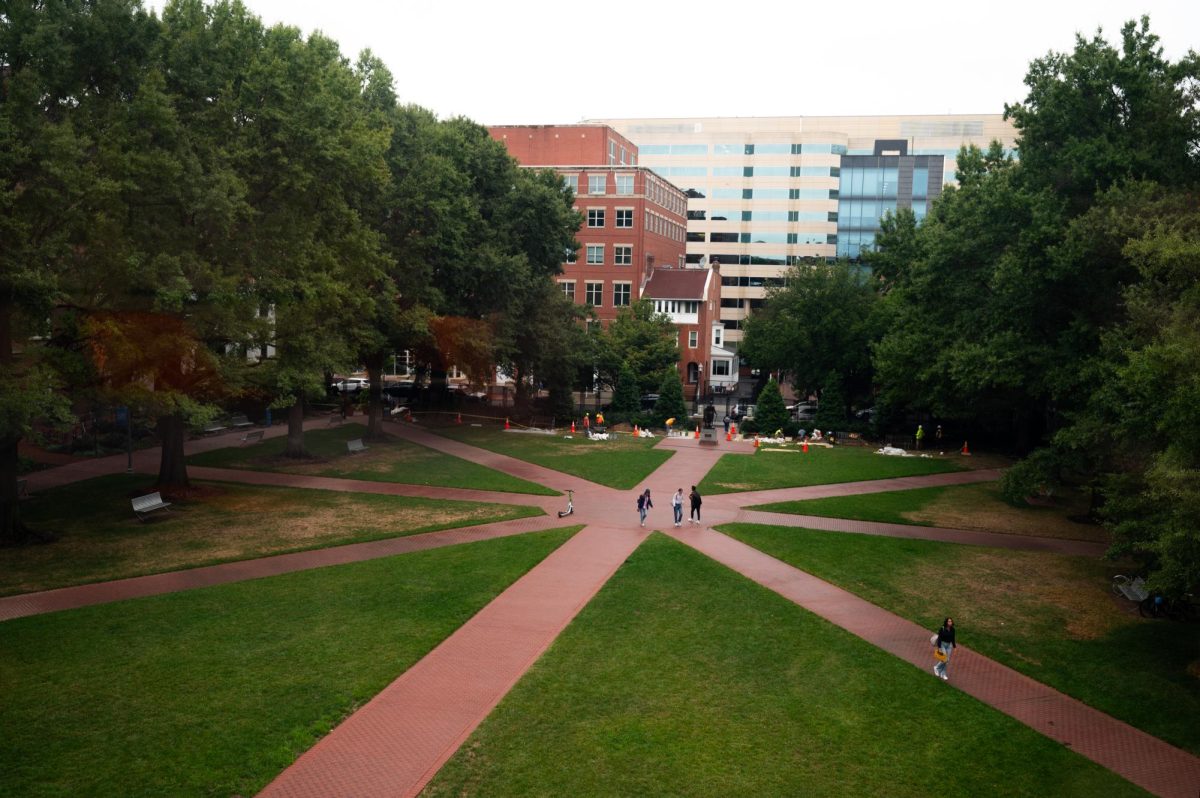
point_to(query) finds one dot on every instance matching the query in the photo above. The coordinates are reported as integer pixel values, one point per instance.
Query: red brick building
(634, 230)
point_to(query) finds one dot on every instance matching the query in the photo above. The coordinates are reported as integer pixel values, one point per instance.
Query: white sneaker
(935, 672)
(945, 678)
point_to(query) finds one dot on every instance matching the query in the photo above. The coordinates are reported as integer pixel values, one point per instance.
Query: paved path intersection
(396, 743)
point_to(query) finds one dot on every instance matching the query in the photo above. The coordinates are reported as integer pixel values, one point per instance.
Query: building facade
(634, 230)
(765, 193)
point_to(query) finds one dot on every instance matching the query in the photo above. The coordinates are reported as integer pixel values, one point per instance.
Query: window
(621, 293)
(595, 294)
(625, 184)
(571, 182)
(716, 336)
(595, 254)
(597, 184)
(612, 151)
(622, 155)
(595, 217)
(693, 373)
(624, 217)
(720, 368)
(623, 255)
(693, 338)
(568, 288)
(571, 256)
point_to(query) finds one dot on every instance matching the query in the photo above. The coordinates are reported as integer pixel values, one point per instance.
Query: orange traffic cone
(635, 430)
(572, 426)
(728, 435)
(965, 450)
(506, 422)
(459, 419)
(804, 445)
(697, 432)
(735, 429)
(756, 441)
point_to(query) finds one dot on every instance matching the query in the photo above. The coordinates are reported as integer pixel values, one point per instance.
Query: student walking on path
(694, 516)
(943, 645)
(677, 506)
(920, 435)
(644, 504)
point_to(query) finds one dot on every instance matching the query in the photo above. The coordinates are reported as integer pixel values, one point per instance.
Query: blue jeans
(678, 513)
(642, 513)
(947, 649)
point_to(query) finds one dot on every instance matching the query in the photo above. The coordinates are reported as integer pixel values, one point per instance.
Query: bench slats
(144, 505)
(355, 446)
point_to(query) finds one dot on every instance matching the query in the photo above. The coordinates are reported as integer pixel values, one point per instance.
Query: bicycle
(1175, 609)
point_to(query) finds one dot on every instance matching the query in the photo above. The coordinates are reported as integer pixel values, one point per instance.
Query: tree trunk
(374, 365)
(172, 467)
(295, 436)
(13, 531)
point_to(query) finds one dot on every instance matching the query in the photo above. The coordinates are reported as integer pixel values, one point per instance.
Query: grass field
(389, 460)
(100, 538)
(684, 679)
(977, 506)
(1050, 616)
(215, 691)
(765, 470)
(621, 462)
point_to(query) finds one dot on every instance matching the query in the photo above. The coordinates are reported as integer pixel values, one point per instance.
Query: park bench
(252, 437)
(144, 505)
(240, 422)
(1134, 590)
(355, 446)
(214, 428)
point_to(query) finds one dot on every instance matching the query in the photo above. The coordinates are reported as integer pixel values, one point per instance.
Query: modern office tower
(767, 192)
(632, 241)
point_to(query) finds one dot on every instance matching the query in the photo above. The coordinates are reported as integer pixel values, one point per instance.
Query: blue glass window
(655, 149)
(772, 149)
(771, 171)
(920, 183)
(727, 171)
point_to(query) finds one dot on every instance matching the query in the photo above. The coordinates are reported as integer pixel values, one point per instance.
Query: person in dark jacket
(694, 516)
(644, 504)
(945, 643)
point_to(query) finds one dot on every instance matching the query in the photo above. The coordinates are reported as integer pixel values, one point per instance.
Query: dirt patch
(981, 507)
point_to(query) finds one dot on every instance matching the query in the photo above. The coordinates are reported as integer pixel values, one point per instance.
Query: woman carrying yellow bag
(943, 647)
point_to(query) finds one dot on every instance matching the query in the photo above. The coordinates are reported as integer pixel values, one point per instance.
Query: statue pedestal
(708, 436)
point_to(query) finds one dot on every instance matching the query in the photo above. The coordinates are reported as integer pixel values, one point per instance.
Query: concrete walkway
(397, 742)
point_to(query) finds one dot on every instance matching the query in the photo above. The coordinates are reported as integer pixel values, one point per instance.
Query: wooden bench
(144, 505)
(355, 446)
(252, 437)
(214, 428)
(240, 422)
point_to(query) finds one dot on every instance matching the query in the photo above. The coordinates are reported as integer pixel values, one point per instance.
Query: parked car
(649, 400)
(866, 415)
(403, 389)
(351, 385)
(803, 411)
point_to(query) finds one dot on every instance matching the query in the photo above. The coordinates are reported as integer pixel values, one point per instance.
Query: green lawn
(390, 460)
(620, 462)
(765, 469)
(977, 506)
(215, 691)
(1050, 616)
(100, 538)
(683, 679)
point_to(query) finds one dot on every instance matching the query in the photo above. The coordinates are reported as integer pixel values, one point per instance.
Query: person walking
(943, 644)
(726, 421)
(644, 504)
(677, 506)
(920, 435)
(694, 516)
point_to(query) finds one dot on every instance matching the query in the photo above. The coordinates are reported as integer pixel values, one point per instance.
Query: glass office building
(767, 192)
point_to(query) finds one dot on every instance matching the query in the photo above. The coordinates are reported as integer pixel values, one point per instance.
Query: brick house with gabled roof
(691, 297)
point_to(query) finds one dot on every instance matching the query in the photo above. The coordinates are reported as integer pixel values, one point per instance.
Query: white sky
(561, 61)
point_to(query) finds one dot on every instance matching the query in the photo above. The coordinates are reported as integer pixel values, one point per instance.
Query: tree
(626, 401)
(770, 413)
(65, 68)
(645, 341)
(831, 412)
(824, 319)
(1098, 117)
(670, 400)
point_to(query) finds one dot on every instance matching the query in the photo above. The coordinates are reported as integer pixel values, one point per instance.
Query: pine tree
(771, 413)
(670, 400)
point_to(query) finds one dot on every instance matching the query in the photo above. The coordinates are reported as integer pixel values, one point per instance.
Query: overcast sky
(559, 61)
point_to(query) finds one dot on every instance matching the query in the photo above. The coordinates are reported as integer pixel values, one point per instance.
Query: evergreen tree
(670, 400)
(625, 398)
(831, 412)
(771, 413)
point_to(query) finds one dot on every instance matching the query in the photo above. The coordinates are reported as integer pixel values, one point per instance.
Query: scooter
(570, 505)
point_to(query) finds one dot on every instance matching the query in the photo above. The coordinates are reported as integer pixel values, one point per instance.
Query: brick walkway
(397, 742)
